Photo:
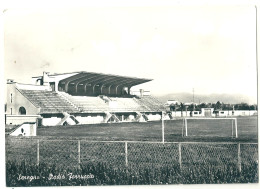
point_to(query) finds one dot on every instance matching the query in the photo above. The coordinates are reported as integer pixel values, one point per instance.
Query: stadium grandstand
(80, 98)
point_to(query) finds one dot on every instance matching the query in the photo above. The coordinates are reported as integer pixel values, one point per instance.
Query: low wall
(245, 112)
(178, 114)
(20, 119)
(226, 113)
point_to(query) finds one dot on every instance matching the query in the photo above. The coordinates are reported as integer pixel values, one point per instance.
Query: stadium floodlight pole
(162, 129)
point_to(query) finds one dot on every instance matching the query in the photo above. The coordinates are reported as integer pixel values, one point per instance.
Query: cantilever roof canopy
(100, 80)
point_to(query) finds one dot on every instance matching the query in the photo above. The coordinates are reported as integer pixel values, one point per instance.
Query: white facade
(47, 78)
(225, 113)
(26, 129)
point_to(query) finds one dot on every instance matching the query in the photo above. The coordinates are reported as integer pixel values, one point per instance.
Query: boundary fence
(134, 154)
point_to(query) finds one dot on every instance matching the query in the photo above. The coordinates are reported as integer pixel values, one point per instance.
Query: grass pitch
(152, 131)
(148, 163)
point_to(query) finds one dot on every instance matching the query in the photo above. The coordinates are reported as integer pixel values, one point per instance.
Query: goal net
(217, 127)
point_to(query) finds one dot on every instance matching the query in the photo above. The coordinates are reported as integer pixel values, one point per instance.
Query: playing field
(213, 156)
(198, 130)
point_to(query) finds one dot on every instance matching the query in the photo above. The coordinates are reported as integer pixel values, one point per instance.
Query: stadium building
(80, 98)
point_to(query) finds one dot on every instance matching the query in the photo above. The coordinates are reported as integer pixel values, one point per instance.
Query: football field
(118, 152)
(198, 130)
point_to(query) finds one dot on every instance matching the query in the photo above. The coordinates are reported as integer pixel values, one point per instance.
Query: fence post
(186, 127)
(236, 127)
(126, 160)
(182, 127)
(179, 145)
(79, 151)
(38, 152)
(162, 129)
(232, 135)
(238, 157)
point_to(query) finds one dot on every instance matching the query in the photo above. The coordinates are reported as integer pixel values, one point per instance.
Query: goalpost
(233, 124)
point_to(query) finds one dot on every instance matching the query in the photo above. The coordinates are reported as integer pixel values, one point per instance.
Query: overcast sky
(209, 48)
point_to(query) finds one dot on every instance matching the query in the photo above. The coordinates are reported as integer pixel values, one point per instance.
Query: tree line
(217, 106)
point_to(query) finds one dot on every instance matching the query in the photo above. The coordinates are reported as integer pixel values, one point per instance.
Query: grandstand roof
(104, 79)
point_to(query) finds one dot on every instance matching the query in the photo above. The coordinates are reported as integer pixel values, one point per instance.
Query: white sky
(209, 48)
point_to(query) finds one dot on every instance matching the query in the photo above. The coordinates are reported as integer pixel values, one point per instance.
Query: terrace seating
(114, 104)
(58, 102)
(87, 103)
(151, 104)
(48, 101)
(125, 105)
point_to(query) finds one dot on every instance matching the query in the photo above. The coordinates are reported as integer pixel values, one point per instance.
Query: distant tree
(218, 105)
(202, 105)
(224, 106)
(236, 106)
(244, 106)
(182, 108)
(197, 108)
(227, 107)
(252, 107)
(191, 107)
(173, 107)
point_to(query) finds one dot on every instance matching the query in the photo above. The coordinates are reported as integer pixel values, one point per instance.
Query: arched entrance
(22, 111)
